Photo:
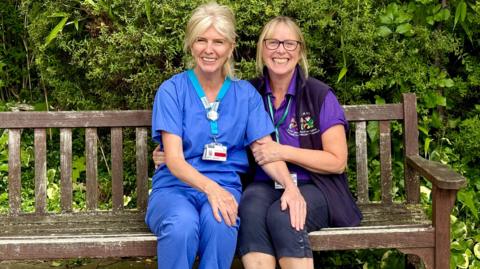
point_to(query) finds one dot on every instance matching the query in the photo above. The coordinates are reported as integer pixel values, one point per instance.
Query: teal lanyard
(209, 107)
(282, 119)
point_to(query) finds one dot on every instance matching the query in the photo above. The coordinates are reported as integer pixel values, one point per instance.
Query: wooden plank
(40, 145)
(96, 246)
(92, 168)
(142, 168)
(385, 162)
(70, 119)
(439, 174)
(98, 222)
(66, 169)
(410, 128)
(361, 158)
(14, 171)
(372, 238)
(117, 168)
(443, 202)
(373, 112)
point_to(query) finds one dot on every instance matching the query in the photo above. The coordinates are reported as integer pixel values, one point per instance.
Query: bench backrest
(141, 120)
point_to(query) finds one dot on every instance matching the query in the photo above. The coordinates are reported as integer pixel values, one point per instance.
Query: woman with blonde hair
(310, 135)
(204, 119)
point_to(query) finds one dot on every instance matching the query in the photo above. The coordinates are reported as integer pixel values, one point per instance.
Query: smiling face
(279, 61)
(210, 51)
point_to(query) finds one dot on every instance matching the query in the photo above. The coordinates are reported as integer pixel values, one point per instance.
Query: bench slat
(117, 168)
(91, 166)
(385, 161)
(40, 146)
(66, 169)
(97, 246)
(14, 172)
(142, 168)
(422, 237)
(71, 119)
(361, 157)
(412, 181)
(373, 112)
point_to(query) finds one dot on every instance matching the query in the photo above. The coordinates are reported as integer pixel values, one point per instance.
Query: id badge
(214, 152)
(278, 186)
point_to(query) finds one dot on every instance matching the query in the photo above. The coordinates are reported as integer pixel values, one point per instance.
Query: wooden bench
(121, 232)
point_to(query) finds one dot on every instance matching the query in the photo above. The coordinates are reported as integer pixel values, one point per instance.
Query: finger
(283, 205)
(304, 215)
(225, 215)
(294, 215)
(215, 208)
(299, 216)
(232, 210)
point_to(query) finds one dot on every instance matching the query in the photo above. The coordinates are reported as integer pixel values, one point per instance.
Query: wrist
(207, 186)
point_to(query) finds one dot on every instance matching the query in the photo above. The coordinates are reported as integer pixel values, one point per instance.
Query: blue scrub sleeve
(166, 113)
(259, 123)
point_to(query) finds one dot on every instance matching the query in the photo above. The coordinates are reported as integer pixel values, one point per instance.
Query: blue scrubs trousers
(182, 220)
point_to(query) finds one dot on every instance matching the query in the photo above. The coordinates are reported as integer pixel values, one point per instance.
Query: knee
(277, 220)
(254, 201)
(176, 227)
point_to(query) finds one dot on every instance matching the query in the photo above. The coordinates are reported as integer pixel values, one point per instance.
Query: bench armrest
(439, 174)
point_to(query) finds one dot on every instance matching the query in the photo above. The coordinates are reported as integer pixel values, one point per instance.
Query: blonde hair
(205, 16)
(267, 31)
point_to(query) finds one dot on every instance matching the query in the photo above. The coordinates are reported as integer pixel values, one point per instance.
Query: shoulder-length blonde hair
(205, 16)
(267, 32)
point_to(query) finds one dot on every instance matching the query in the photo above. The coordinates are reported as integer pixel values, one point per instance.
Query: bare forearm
(278, 171)
(317, 161)
(186, 173)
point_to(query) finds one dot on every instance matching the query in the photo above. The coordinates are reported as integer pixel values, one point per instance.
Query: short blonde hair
(205, 16)
(267, 32)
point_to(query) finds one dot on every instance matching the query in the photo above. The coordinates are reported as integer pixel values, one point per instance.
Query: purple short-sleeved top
(331, 114)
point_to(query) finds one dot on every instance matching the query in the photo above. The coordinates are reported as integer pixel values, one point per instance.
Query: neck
(210, 82)
(279, 85)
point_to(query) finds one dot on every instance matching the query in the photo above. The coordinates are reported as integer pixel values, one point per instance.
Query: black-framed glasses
(273, 44)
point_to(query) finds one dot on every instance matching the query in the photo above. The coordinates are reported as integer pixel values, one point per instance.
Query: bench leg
(426, 254)
(443, 202)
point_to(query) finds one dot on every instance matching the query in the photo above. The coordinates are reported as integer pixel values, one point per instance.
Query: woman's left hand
(294, 201)
(267, 151)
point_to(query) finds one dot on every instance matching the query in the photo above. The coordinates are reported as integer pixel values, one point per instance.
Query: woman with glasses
(310, 135)
(204, 119)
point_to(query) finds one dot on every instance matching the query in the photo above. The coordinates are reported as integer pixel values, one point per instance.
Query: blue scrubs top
(177, 109)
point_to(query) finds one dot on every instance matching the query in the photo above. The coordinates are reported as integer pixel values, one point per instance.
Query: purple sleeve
(331, 113)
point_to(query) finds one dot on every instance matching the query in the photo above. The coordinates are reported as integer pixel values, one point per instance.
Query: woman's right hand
(223, 201)
(158, 157)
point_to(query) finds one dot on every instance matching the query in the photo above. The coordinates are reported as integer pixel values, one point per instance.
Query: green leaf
(56, 264)
(404, 28)
(372, 130)
(460, 13)
(75, 22)
(467, 199)
(59, 14)
(459, 229)
(379, 100)
(343, 72)
(443, 15)
(476, 250)
(386, 18)
(148, 11)
(426, 147)
(54, 33)
(423, 130)
(460, 260)
(383, 31)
